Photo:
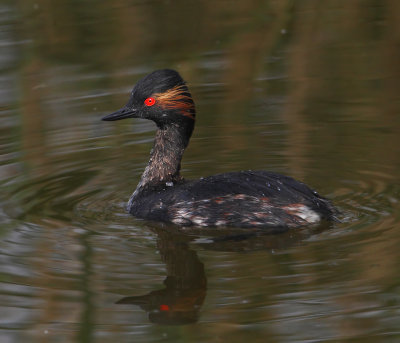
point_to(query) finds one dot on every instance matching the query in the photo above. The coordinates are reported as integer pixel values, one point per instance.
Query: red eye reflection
(150, 101)
(164, 307)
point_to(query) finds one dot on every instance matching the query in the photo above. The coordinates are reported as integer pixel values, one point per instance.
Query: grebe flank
(239, 199)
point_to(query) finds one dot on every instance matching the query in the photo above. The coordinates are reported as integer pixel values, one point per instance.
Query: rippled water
(300, 88)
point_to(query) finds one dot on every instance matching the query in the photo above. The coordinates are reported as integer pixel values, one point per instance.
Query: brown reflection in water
(341, 53)
(246, 60)
(343, 78)
(33, 117)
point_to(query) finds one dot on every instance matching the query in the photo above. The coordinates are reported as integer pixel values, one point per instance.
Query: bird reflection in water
(185, 286)
(186, 283)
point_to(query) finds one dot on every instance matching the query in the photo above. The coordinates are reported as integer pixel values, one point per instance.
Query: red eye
(149, 101)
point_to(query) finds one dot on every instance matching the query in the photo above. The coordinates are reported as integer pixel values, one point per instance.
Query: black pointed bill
(122, 113)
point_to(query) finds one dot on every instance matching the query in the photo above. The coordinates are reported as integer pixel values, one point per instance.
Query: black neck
(165, 157)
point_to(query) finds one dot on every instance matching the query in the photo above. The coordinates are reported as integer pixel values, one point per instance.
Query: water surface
(304, 88)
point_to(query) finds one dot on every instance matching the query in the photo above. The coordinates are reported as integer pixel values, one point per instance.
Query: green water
(306, 88)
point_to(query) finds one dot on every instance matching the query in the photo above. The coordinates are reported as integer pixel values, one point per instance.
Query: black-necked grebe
(240, 199)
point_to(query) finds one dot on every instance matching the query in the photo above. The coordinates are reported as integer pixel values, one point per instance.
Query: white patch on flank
(305, 213)
(183, 212)
(179, 221)
(199, 221)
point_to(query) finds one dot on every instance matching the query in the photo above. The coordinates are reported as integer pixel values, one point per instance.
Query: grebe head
(161, 96)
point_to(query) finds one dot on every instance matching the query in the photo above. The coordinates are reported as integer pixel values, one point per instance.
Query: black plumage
(244, 199)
